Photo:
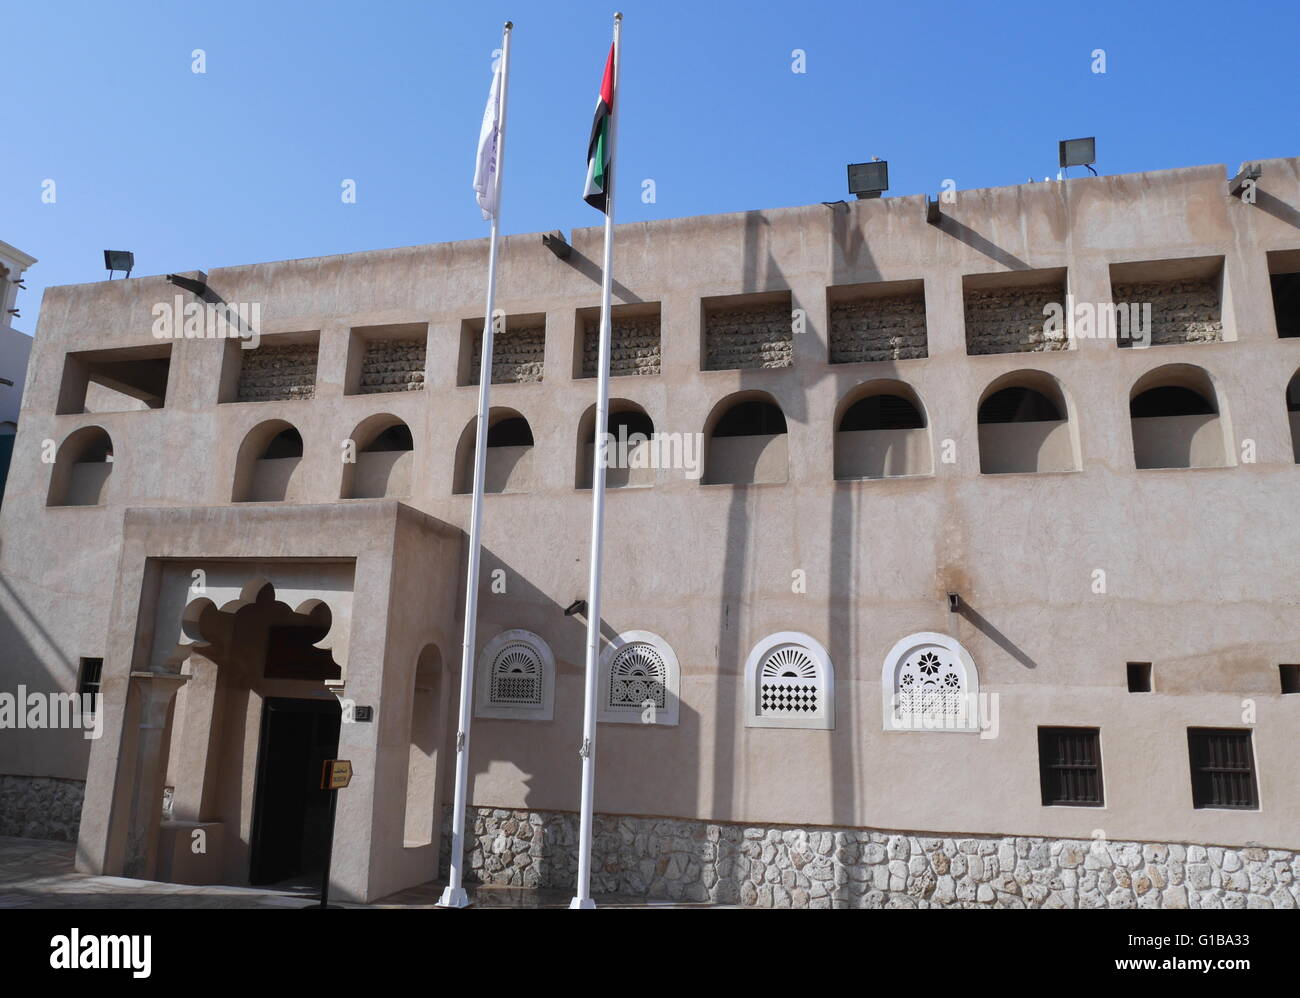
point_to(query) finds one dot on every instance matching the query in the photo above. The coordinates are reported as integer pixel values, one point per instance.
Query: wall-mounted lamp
(578, 606)
(954, 602)
(932, 213)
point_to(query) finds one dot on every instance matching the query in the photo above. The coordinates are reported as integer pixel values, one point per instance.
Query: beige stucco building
(887, 415)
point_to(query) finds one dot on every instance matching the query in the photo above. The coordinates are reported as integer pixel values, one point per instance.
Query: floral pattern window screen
(931, 683)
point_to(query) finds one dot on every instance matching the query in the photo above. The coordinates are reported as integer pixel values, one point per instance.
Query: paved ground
(36, 873)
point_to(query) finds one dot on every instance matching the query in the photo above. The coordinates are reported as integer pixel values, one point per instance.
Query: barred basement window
(789, 683)
(1069, 765)
(639, 680)
(929, 683)
(516, 677)
(1223, 768)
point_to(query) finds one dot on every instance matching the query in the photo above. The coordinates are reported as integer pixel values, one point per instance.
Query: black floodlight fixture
(123, 260)
(1079, 152)
(869, 180)
(1248, 174)
(6, 382)
(932, 213)
(578, 606)
(954, 602)
(556, 243)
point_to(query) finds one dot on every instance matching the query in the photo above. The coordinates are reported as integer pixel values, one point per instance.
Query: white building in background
(15, 348)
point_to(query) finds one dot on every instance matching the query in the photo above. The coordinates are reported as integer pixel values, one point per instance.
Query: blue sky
(244, 163)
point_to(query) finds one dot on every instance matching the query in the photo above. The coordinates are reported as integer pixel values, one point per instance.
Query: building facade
(913, 595)
(15, 347)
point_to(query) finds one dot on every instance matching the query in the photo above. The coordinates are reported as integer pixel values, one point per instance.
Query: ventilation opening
(115, 380)
(386, 359)
(1176, 426)
(1286, 303)
(287, 443)
(748, 446)
(1290, 676)
(383, 467)
(395, 438)
(1170, 400)
(1139, 677)
(508, 461)
(882, 436)
(1018, 405)
(82, 469)
(630, 457)
(268, 472)
(1022, 430)
(513, 432)
(89, 676)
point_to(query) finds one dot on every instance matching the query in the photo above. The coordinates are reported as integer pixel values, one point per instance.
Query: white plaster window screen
(516, 678)
(929, 683)
(789, 683)
(640, 680)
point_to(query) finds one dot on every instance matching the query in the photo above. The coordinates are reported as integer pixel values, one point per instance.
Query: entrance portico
(218, 611)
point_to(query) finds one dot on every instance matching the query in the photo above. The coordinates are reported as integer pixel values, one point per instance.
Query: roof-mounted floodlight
(1079, 152)
(555, 242)
(1246, 176)
(869, 180)
(123, 260)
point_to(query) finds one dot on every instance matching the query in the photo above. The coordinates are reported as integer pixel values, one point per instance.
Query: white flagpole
(454, 895)
(588, 751)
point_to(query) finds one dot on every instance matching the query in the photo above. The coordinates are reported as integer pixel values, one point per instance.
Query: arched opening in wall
(631, 452)
(881, 432)
(508, 464)
(745, 441)
(1024, 426)
(1174, 412)
(268, 468)
(82, 468)
(422, 768)
(1293, 414)
(383, 456)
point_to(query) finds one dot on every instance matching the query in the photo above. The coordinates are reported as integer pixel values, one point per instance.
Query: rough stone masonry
(812, 867)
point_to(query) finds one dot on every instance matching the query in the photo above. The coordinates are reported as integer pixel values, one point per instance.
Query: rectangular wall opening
(1169, 301)
(747, 332)
(121, 380)
(1069, 761)
(877, 322)
(282, 368)
(518, 351)
(1290, 677)
(635, 343)
(1139, 677)
(1014, 312)
(1284, 278)
(386, 359)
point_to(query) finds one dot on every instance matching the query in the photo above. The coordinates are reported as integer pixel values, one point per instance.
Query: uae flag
(598, 165)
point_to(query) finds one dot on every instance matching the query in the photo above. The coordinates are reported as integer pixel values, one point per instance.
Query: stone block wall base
(818, 867)
(41, 807)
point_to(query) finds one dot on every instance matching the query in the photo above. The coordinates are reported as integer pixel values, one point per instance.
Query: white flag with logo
(489, 144)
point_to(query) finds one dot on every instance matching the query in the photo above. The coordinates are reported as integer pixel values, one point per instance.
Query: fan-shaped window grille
(516, 677)
(929, 683)
(640, 679)
(790, 683)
